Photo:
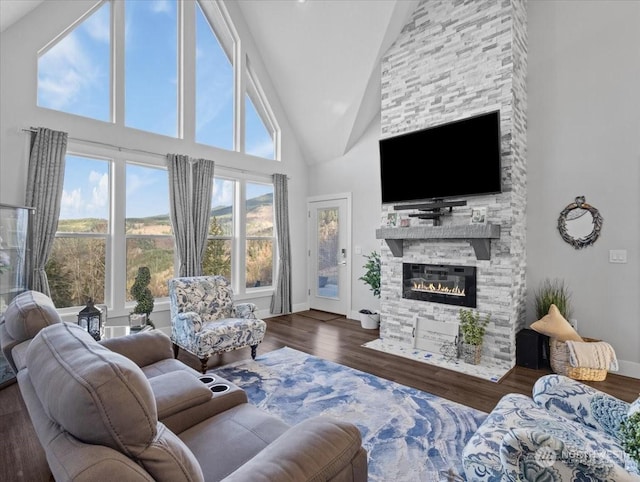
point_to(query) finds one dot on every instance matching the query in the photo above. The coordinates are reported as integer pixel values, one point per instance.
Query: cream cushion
(554, 325)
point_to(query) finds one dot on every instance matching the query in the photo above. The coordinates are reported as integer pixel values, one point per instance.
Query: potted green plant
(142, 294)
(472, 328)
(552, 292)
(368, 319)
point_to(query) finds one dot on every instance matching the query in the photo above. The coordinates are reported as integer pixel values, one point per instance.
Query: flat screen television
(457, 159)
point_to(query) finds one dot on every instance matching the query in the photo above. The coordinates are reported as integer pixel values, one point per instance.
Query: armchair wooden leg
(176, 349)
(203, 364)
(253, 351)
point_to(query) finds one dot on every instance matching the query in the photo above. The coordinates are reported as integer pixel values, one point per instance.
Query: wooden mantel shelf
(478, 235)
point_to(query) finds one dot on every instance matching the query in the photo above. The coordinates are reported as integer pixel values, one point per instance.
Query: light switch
(358, 250)
(618, 256)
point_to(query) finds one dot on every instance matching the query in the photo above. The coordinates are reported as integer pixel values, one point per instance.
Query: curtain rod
(142, 151)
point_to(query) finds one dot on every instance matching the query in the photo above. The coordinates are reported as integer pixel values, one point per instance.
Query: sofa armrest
(183, 400)
(142, 348)
(319, 448)
(178, 391)
(244, 310)
(527, 454)
(579, 402)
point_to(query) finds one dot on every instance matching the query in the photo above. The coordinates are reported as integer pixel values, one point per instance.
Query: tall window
(260, 235)
(74, 72)
(76, 267)
(253, 260)
(151, 66)
(214, 86)
(148, 228)
(217, 257)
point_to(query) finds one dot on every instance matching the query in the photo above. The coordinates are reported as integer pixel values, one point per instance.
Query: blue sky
(74, 76)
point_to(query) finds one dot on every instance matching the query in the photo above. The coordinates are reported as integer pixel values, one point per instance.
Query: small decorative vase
(137, 320)
(471, 353)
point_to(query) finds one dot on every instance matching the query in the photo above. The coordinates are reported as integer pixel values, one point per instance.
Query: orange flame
(432, 288)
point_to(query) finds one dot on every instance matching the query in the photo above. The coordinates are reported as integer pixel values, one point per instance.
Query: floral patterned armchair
(567, 432)
(206, 321)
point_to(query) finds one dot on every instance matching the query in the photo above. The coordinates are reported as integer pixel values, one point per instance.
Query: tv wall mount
(432, 210)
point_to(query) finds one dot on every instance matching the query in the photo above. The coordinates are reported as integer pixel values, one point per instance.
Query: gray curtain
(45, 179)
(281, 299)
(202, 171)
(190, 187)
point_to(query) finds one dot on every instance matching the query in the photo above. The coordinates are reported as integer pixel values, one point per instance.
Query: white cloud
(161, 6)
(99, 194)
(98, 25)
(71, 204)
(222, 193)
(135, 183)
(64, 73)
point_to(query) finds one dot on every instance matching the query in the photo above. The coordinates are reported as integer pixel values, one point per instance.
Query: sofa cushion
(28, 313)
(103, 398)
(97, 395)
(209, 296)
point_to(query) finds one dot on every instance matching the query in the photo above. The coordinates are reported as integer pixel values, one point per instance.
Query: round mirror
(580, 223)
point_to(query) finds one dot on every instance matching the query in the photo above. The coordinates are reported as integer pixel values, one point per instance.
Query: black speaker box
(532, 349)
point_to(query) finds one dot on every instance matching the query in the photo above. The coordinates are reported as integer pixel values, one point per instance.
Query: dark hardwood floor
(325, 335)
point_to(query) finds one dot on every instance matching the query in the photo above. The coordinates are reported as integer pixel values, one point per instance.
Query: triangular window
(74, 71)
(260, 130)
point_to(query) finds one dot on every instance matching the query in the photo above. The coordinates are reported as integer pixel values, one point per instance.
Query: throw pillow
(554, 325)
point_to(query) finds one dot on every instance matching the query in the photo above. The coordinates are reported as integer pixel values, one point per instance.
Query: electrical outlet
(618, 256)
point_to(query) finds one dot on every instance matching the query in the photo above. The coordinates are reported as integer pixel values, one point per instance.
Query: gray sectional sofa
(125, 409)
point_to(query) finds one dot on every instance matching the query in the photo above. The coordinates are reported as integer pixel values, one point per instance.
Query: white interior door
(329, 234)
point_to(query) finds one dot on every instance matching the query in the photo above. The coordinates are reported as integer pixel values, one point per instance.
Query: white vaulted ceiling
(323, 57)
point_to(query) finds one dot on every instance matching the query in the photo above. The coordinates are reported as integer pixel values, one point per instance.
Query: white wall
(357, 172)
(584, 139)
(19, 45)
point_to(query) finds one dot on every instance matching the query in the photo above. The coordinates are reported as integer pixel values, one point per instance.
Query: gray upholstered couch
(125, 409)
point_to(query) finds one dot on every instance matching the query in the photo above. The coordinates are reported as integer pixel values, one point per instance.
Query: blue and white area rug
(409, 435)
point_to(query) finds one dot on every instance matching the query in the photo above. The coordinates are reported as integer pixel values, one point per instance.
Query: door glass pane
(327, 269)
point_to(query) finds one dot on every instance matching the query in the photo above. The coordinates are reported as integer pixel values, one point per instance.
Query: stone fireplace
(451, 61)
(439, 283)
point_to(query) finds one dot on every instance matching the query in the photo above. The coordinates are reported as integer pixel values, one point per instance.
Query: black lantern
(90, 318)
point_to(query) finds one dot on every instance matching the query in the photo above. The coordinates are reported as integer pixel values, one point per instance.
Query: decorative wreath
(589, 239)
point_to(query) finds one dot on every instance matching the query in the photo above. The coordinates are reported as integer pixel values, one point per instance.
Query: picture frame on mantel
(479, 216)
(392, 220)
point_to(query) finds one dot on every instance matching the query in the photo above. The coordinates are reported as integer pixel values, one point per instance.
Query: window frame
(116, 237)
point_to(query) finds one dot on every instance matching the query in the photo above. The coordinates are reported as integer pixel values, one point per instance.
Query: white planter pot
(370, 321)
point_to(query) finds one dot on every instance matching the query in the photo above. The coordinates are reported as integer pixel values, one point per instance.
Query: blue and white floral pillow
(634, 407)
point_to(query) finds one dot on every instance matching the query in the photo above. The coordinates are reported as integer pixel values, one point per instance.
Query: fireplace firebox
(439, 283)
